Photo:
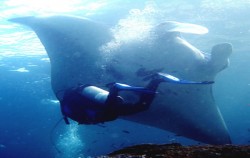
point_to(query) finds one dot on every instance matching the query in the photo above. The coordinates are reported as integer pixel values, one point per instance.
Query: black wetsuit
(86, 111)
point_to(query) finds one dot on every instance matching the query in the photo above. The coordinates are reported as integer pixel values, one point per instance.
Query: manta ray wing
(73, 45)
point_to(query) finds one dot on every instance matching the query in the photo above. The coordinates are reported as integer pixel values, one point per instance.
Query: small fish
(94, 141)
(175, 93)
(125, 131)
(122, 145)
(102, 125)
(114, 146)
(187, 92)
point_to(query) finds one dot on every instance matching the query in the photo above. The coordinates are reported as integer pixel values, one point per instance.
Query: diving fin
(125, 87)
(172, 79)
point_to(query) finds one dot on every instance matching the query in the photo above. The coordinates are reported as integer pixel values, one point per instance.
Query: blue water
(29, 110)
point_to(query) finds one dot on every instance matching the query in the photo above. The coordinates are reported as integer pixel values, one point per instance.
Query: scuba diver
(87, 104)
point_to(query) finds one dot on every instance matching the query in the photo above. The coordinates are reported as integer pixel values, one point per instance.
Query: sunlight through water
(10, 38)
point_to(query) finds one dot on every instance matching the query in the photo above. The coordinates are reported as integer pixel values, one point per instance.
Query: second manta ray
(88, 52)
(88, 104)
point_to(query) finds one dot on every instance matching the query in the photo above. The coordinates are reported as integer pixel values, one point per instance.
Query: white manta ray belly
(73, 46)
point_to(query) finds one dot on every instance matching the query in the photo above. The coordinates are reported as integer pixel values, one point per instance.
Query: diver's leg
(146, 99)
(116, 104)
(112, 98)
(144, 102)
(146, 96)
(115, 88)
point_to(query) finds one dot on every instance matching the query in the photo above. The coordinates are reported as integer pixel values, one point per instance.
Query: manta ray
(87, 52)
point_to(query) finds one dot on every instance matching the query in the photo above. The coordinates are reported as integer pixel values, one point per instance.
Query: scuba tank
(95, 94)
(100, 96)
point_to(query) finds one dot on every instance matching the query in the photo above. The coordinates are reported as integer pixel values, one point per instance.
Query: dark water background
(28, 107)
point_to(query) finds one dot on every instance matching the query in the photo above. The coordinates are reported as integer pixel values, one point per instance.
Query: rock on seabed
(176, 150)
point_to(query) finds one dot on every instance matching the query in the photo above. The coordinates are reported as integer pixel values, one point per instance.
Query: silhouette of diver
(87, 104)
